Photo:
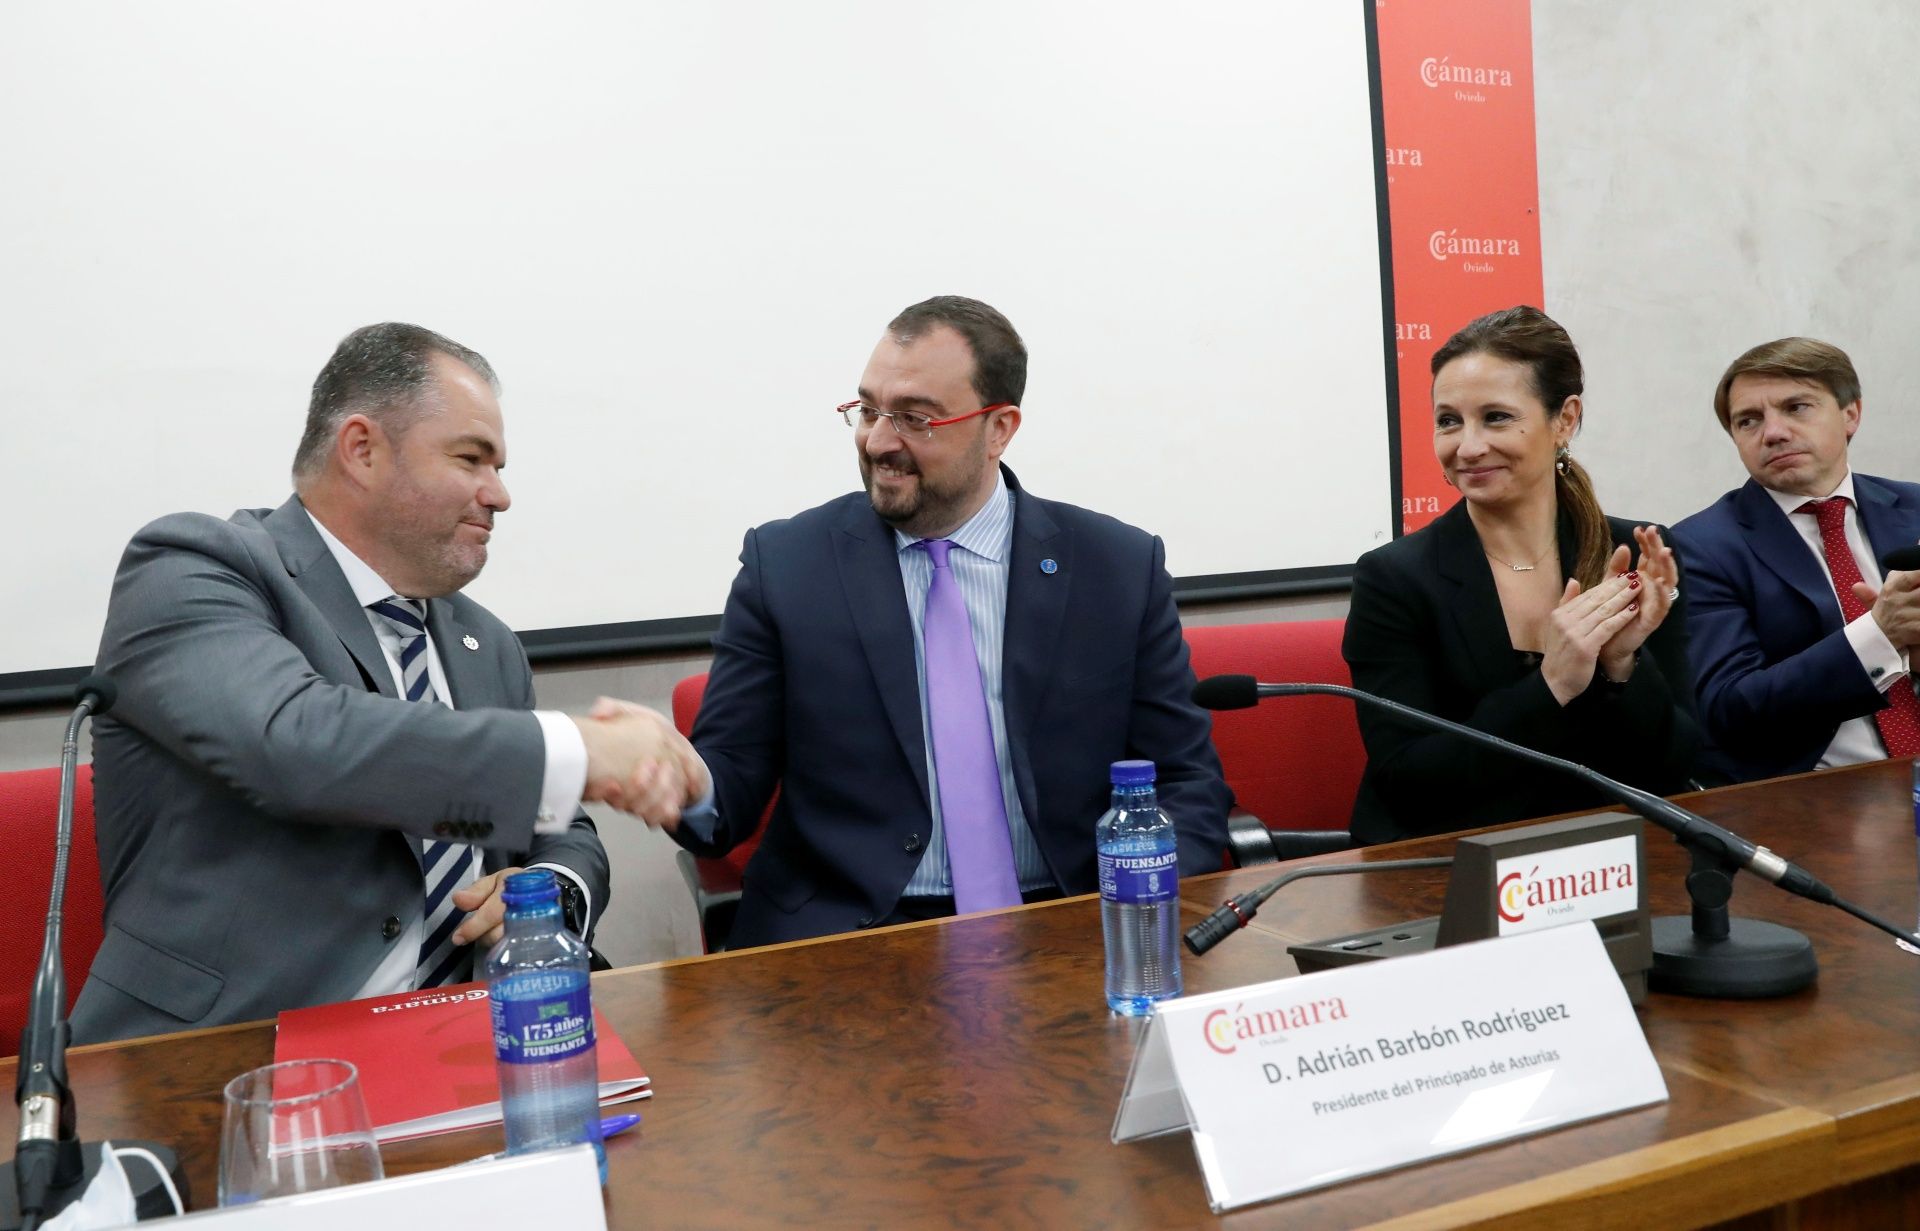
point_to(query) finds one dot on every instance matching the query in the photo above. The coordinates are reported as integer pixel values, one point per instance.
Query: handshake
(637, 762)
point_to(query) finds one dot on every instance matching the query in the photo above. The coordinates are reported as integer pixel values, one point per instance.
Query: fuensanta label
(1140, 879)
(1304, 1082)
(542, 1016)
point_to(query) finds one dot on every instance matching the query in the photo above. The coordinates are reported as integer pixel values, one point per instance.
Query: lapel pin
(1049, 566)
(470, 642)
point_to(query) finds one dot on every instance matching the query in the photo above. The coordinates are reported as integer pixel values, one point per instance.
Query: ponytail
(1593, 541)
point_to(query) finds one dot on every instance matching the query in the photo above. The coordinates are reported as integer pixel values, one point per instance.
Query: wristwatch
(573, 906)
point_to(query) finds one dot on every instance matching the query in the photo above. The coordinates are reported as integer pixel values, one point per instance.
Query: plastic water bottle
(1139, 893)
(543, 1024)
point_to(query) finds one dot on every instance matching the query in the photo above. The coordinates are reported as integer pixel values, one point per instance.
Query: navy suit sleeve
(740, 730)
(1744, 699)
(1167, 728)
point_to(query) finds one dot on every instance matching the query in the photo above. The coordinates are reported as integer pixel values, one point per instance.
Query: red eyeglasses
(906, 422)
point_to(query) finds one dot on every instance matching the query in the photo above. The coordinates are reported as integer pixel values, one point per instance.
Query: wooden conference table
(965, 1073)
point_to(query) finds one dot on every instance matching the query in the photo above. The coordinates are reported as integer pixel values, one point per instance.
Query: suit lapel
(1036, 612)
(1477, 617)
(314, 570)
(1889, 521)
(869, 567)
(1780, 549)
(469, 669)
(318, 575)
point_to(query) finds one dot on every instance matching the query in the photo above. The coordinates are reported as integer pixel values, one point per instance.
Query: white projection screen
(677, 229)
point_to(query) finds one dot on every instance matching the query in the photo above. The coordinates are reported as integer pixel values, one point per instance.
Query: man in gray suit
(322, 763)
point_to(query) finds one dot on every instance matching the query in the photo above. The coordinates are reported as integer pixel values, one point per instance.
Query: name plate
(551, 1188)
(1304, 1082)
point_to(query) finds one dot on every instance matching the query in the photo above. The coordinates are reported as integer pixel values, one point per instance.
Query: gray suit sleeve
(578, 849)
(207, 653)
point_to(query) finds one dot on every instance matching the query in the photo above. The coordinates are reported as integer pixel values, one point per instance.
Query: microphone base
(149, 1194)
(1754, 961)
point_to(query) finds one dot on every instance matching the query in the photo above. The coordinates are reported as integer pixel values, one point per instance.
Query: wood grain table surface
(966, 1072)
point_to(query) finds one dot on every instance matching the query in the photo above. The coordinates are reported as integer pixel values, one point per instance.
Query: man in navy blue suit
(1800, 647)
(919, 775)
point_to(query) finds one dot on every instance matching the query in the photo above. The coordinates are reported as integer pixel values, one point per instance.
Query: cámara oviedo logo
(1520, 892)
(1226, 1030)
(1436, 73)
(1444, 244)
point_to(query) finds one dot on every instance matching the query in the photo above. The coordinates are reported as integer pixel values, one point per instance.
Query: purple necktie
(972, 809)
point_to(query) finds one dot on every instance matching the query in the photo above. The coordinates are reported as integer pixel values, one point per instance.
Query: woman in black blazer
(1521, 612)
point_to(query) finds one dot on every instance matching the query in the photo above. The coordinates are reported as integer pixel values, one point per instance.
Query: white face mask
(108, 1201)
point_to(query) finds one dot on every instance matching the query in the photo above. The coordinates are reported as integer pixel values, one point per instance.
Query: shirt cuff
(1883, 663)
(566, 776)
(586, 894)
(702, 817)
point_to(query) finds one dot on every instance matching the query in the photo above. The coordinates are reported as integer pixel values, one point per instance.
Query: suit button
(913, 843)
(866, 921)
(483, 829)
(443, 829)
(391, 928)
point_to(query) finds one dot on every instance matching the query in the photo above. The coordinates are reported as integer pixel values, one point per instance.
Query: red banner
(1463, 199)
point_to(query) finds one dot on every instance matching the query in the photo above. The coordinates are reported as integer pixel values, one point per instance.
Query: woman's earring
(1560, 457)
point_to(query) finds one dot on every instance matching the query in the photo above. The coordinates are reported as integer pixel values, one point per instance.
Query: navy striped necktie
(445, 866)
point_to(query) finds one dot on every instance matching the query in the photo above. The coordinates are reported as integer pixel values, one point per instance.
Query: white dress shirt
(560, 789)
(1857, 739)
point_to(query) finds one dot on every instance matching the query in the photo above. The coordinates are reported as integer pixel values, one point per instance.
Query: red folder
(426, 1057)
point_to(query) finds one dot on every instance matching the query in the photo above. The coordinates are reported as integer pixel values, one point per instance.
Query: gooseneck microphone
(1729, 958)
(50, 1166)
(1238, 911)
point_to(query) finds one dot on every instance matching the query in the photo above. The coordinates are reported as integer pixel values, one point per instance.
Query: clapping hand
(1583, 622)
(1655, 581)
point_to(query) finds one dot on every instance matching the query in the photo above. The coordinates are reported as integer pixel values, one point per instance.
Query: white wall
(1715, 174)
(677, 229)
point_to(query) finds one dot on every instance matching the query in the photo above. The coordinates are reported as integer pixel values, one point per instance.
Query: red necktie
(1900, 722)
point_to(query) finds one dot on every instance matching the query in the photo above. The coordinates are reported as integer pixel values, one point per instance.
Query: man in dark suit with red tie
(1800, 646)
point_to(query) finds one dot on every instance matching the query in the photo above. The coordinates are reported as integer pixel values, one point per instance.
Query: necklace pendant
(1521, 568)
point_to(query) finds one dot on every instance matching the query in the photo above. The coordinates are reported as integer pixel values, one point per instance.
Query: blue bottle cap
(1132, 773)
(532, 888)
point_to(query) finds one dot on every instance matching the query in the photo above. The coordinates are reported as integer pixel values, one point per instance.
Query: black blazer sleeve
(1409, 638)
(1647, 731)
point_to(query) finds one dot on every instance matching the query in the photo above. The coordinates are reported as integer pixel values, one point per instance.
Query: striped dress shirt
(980, 562)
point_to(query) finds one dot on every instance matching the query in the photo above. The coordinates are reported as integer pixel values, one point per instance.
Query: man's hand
(486, 909)
(1895, 608)
(639, 764)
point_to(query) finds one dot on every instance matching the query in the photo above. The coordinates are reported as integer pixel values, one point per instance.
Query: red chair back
(1294, 762)
(30, 817)
(716, 875)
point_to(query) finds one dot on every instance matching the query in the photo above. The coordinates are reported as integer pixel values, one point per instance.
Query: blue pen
(618, 1124)
(609, 1127)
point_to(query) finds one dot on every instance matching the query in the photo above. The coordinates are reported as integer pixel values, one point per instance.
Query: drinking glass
(293, 1128)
